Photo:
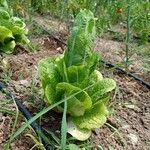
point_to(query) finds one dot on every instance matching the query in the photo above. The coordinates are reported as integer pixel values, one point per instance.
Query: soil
(128, 125)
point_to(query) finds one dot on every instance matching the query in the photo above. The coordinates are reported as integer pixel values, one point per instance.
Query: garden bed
(127, 126)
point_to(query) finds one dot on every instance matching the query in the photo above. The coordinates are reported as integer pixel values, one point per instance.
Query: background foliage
(108, 12)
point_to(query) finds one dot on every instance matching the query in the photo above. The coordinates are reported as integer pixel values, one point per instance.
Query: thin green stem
(127, 36)
(64, 128)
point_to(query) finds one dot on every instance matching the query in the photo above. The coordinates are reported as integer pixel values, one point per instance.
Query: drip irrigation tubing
(26, 113)
(109, 65)
(147, 84)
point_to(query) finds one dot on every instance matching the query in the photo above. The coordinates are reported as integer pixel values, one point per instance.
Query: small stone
(126, 126)
(25, 83)
(57, 131)
(59, 49)
(130, 106)
(133, 138)
(97, 131)
(52, 118)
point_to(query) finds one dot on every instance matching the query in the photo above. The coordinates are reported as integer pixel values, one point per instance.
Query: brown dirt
(129, 118)
(6, 122)
(53, 25)
(114, 52)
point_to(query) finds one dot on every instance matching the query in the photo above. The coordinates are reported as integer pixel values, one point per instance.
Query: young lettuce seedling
(74, 71)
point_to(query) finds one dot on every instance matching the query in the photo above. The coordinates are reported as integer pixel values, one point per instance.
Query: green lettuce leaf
(5, 34)
(18, 22)
(9, 47)
(48, 73)
(104, 86)
(93, 118)
(50, 94)
(96, 76)
(4, 15)
(77, 73)
(101, 86)
(78, 104)
(80, 41)
(80, 134)
(16, 30)
(61, 67)
(93, 78)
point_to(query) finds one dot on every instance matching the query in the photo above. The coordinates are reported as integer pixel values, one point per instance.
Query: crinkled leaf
(18, 22)
(59, 62)
(78, 104)
(61, 67)
(4, 15)
(77, 73)
(93, 61)
(95, 77)
(93, 118)
(79, 134)
(16, 30)
(6, 23)
(5, 34)
(48, 73)
(104, 86)
(50, 94)
(20, 34)
(80, 40)
(8, 48)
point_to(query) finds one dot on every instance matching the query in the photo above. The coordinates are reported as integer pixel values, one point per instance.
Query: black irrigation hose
(39, 131)
(147, 84)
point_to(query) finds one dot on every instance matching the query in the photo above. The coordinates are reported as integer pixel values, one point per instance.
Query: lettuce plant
(12, 30)
(74, 71)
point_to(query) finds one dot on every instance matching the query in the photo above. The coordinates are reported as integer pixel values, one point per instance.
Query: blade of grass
(5, 110)
(37, 142)
(55, 138)
(64, 128)
(119, 134)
